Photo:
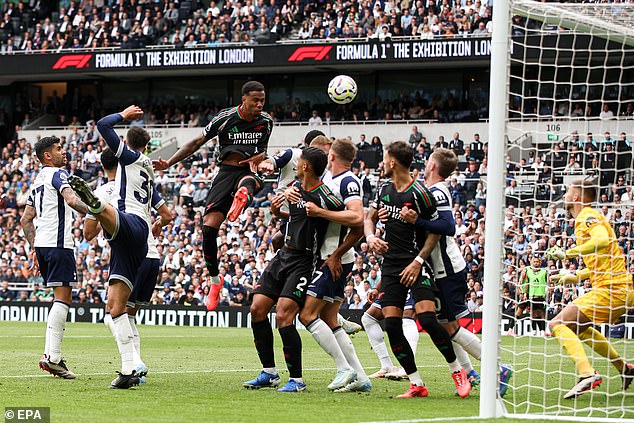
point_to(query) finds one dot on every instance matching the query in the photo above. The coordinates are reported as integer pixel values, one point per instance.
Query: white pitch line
(434, 419)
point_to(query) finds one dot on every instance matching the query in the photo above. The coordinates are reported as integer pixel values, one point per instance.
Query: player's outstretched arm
(107, 123)
(334, 261)
(351, 217)
(444, 225)
(165, 218)
(599, 240)
(73, 201)
(182, 153)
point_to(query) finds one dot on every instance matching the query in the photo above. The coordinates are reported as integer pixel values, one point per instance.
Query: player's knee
(427, 320)
(394, 327)
(284, 317)
(257, 312)
(367, 320)
(306, 316)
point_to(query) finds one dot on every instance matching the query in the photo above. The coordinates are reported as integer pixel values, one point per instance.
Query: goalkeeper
(611, 294)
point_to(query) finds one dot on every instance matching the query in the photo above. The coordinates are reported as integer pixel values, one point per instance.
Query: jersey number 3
(146, 186)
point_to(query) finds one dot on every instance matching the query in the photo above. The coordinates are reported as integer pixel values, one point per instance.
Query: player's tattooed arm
(73, 201)
(27, 224)
(185, 151)
(375, 243)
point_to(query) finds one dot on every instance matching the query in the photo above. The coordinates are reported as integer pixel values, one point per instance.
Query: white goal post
(548, 61)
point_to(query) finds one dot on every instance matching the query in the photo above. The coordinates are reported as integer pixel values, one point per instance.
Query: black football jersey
(236, 135)
(404, 240)
(307, 233)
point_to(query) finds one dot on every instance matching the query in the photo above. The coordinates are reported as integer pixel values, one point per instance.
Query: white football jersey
(286, 163)
(53, 227)
(446, 258)
(346, 187)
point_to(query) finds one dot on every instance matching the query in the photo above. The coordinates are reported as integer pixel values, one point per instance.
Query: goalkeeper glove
(556, 253)
(565, 277)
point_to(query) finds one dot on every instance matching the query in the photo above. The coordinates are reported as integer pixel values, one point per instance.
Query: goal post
(561, 110)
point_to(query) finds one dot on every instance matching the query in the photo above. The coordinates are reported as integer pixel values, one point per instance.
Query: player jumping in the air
(145, 279)
(243, 135)
(612, 292)
(404, 267)
(286, 278)
(126, 226)
(51, 242)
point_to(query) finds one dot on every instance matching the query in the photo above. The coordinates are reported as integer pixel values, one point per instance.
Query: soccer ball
(342, 89)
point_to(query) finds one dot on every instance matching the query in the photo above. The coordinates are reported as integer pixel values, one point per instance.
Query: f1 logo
(313, 52)
(78, 61)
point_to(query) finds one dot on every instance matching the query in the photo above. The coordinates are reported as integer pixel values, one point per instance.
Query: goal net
(568, 117)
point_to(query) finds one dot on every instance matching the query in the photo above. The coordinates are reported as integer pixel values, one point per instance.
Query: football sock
(252, 187)
(542, 325)
(439, 335)
(348, 351)
(463, 358)
(107, 320)
(136, 340)
(263, 340)
(400, 347)
(410, 329)
(469, 342)
(124, 338)
(415, 379)
(55, 330)
(292, 350)
(602, 346)
(210, 249)
(574, 348)
(327, 341)
(377, 340)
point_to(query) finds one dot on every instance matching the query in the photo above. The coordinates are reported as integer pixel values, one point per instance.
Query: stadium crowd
(34, 26)
(533, 222)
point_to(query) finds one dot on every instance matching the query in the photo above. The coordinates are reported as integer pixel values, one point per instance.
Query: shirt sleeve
(282, 159)
(425, 203)
(105, 126)
(157, 200)
(211, 130)
(29, 200)
(377, 198)
(350, 189)
(60, 180)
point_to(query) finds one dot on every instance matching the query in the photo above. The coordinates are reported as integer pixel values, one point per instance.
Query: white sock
(415, 379)
(327, 341)
(469, 342)
(124, 337)
(410, 330)
(107, 320)
(463, 357)
(270, 370)
(377, 341)
(454, 366)
(351, 355)
(136, 341)
(55, 330)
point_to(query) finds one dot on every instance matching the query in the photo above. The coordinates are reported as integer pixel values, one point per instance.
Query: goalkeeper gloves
(556, 253)
(565, 277)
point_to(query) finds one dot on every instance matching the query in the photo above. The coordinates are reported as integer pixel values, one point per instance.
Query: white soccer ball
(342, 89)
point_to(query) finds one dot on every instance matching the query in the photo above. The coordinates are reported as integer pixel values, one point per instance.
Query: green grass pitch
(196, 375)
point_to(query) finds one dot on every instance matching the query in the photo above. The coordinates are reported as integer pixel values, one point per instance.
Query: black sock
(438, 334)
(400, 347)
(210, 249)
(263, 340)
(251, 185)
(292, 350)
(541, 324)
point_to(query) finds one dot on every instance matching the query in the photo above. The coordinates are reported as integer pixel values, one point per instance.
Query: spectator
(606, 113)
(314, 120)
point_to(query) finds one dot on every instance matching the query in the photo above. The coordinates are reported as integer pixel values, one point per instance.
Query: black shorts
(452, 292)
(144, 282)
(57, 266)
(394, 293)
(538, 303)
(287, 275)
(224, 187)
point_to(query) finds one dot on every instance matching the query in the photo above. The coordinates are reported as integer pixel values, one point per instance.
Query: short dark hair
(401, 152)
(108, 159)
(137, 138)
(317, 159)
(311, 135)
(344, 150)
(44, 145)
(252, 86)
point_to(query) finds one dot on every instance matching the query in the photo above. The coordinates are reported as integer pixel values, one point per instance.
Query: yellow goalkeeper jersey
(607, 266)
